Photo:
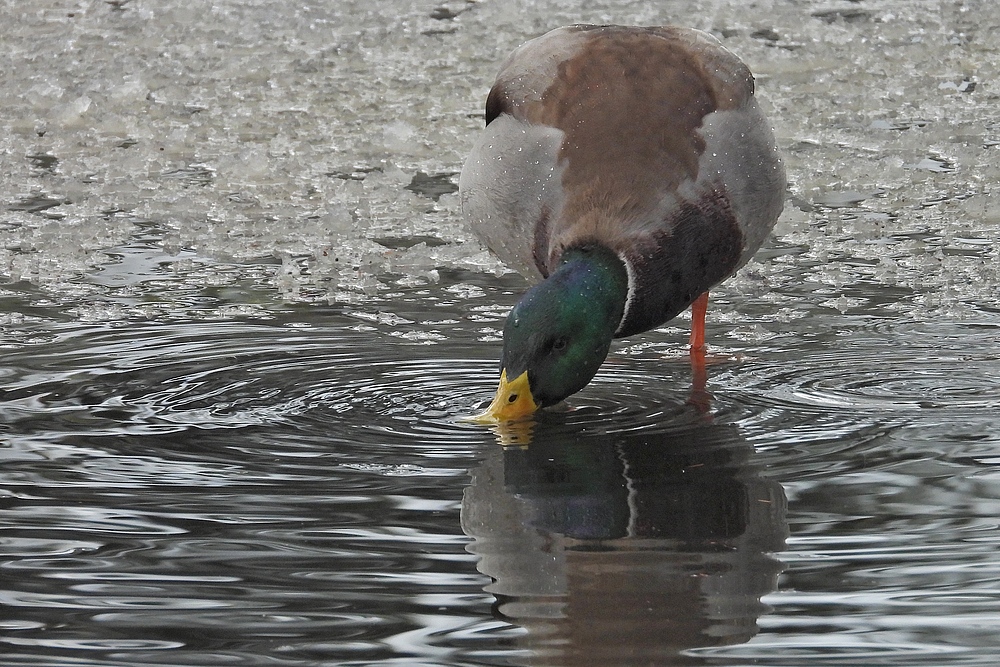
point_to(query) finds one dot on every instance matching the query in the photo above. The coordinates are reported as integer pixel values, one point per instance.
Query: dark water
(299, 490)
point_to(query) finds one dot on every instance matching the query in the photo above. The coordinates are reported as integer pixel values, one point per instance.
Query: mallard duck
(628, 170)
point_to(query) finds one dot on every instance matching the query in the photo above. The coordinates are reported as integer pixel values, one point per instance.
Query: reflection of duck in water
(627, 550)
(629, 170)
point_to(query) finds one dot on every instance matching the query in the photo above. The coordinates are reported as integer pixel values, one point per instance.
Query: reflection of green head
(561, 329)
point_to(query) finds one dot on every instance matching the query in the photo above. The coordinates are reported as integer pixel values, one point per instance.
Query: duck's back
(646, 140)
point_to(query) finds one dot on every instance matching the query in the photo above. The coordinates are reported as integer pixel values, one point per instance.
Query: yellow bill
(513, 401)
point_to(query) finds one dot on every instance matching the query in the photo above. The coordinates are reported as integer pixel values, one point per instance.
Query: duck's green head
(558, 334)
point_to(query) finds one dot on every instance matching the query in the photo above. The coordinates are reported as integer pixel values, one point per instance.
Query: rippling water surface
(241, 322)
(302, 491)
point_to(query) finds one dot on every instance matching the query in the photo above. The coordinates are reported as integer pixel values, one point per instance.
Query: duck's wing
(511, 184)
(647, 140)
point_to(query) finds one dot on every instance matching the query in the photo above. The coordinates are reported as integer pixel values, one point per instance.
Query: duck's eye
(559, 344)
(512, 398)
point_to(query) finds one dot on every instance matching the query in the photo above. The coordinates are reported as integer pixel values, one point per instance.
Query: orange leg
(700, 398)
(698, 310)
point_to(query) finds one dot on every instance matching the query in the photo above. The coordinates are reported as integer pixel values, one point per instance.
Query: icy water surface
(240, 321)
